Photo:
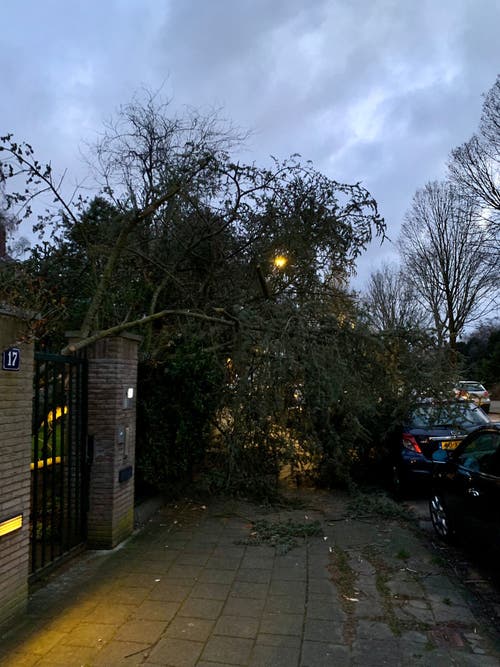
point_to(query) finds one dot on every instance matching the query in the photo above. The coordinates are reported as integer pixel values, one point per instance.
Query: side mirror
(440, 456)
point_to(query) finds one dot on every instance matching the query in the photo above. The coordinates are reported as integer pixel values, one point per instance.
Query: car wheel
(440, 518)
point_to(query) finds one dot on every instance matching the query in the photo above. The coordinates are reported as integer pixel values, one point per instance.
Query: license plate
(450, 444)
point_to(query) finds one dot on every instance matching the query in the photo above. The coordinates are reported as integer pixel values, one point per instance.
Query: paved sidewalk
(202, 585)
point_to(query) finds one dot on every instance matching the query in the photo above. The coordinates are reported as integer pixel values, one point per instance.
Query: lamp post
(279, 262)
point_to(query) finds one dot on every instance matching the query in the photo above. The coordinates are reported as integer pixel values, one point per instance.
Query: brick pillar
(16, 397)
(112, 393)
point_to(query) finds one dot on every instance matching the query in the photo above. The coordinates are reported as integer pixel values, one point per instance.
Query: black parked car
(465, 495)
(430, 426)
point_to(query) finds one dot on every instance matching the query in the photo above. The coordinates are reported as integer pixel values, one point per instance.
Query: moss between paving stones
(344, 578)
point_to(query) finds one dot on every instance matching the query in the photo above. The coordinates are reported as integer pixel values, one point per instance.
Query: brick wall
(16, 390)
(112, 417)
(111, 423)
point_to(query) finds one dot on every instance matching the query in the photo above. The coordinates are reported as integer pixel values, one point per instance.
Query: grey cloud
(372, 90)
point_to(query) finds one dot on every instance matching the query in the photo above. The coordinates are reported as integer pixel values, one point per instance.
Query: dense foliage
(249, 367)
(176, 403)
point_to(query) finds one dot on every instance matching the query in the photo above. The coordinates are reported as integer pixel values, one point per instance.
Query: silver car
(468, 390)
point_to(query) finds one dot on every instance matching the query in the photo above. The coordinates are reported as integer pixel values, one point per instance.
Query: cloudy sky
(377, 91)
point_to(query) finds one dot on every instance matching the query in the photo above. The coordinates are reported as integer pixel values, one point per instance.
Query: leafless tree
(475, 165)
(390, 301)
(448, 263)
(490, 119)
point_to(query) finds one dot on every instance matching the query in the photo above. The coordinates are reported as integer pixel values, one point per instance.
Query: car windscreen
(445, 416)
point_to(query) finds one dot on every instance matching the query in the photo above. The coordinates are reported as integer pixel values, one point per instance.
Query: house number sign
(11, 359)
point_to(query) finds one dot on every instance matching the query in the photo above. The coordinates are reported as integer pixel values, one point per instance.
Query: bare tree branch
(443, 248)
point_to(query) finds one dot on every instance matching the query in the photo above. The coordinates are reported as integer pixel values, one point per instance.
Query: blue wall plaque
(11, 359)
(125, 474)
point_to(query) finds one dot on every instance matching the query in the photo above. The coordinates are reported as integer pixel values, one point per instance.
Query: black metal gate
(59, 464)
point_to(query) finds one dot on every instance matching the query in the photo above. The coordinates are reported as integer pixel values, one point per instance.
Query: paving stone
(318, 563)
(431, 658)
(405, 588)
(237, 626)
(438, 584)
(153, 561)
(285, 604)
(64, 622)
(444, 613)
(175, 653)
(323, 607)
(17, 659)
(292, 641)
(115, 614)
(257, 562)
(244, 607)
(211, 591)
(413, 637)
(282, 624)
(289, 574)
(320, 548)
(235, 650)
(204, 546)
(262, 551)
(323, 631)
(138, 580)
(185, 571)
(408, 611)
(201, 608)
(325, 654)
(295, 558)
(253, 575)
(373, 630)
(156, 610)
(90, 634)
(213, 576)
(66, 656)
(368, 607)
(472, 660)
(321, 586)
(222, 563)
(167, 591)
(133, 596)
(117, 653)
(362, 567)
(196, 629)
(140, 631)
(451, 598)
(43, 641)
(197, 559)
(297, 589)
(233, 552)
(377, 653)
(205, 663)
(245, 589)
(274, 656)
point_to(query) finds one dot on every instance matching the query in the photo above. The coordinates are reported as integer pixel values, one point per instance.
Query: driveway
(325, 579)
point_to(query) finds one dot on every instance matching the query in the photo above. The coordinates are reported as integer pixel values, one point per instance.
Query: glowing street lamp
(280, 261)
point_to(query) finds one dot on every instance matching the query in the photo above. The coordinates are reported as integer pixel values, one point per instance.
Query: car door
(475, 491)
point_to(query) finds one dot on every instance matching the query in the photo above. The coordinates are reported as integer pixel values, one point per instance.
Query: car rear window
(481, 454)
(446, 416)
(471, 386)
